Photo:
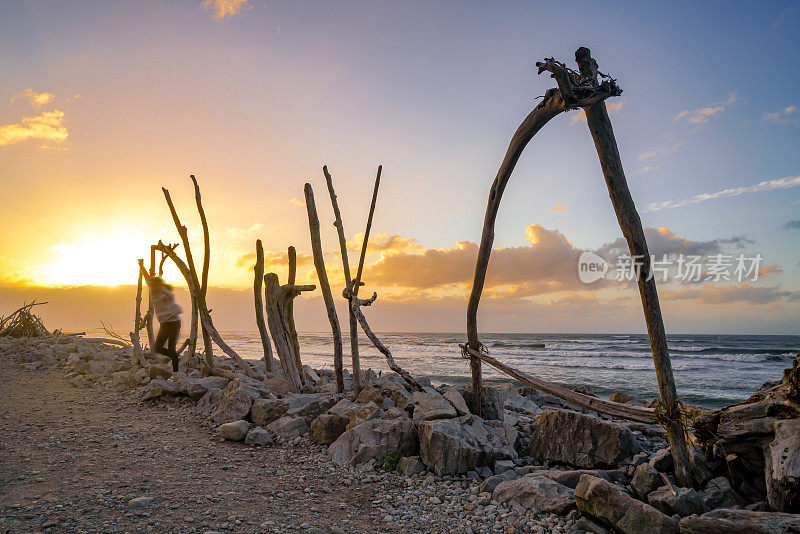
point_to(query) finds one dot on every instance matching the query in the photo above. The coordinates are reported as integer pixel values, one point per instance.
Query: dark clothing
(168, 333)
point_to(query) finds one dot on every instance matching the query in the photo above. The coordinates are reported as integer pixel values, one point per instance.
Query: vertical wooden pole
(611, 163)
(276, 317)
(357, 283)
(322, 275)
(348, 281)
(292, 253)
(207, 344)
(151, 339)
(137, 319)
(259, 303)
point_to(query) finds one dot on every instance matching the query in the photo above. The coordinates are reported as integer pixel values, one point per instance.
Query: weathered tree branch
(611, 163)
(325, 287)
(259, 303)
(346, 268)
(292, 255)
(366, 233)
(207, 345)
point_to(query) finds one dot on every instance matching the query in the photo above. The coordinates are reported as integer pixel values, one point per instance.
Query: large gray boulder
(491, 402)
(613, 507)
(235, 430)
(236, 400)
(645, 480)
(197, 387)
(375, 439)
(536, 493)
(208, 402)
(581, 440)
(720, 494)
(159, 388)
(287, 428)
(306, 405)
(744, 521)
(430, 406)
(570, 478)
(457, 400)
(461, 444)
(517, 403)
(683, 501)
(326, 428)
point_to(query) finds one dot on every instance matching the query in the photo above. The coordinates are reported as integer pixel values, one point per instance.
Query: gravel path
(90, 460)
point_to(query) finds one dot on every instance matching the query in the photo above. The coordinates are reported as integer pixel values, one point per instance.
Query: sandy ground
(71, 460)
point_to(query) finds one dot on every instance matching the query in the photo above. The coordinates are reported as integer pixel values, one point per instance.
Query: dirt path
(71, 460)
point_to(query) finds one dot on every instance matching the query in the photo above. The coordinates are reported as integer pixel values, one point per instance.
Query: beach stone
(208, 402)
(306, 405)
(517, 403)
(536, 493)
(159, 388)
(160, 371)
(461, 444)
(236, 400)
(288, 427)
(491, 401)
(720, 494)
(332, 424)
(662, 460)
(570, 478)
(374, 440)
(141, 502)
(258, 436)
(645, 480)
(410, 465)
(430, 406)
(363, 413)
(488, 485)
(234, 431)
(684, 502)
(197, 387)
(615, 508)
(457, 400)
(501, 466)
(751, 522)
(782, 468)
(620, 397)
(581, 440)
(124, 381)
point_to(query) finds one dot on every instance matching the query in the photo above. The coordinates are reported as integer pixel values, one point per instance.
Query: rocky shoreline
(530, 464)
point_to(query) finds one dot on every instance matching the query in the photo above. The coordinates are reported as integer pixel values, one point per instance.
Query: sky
(104, 103)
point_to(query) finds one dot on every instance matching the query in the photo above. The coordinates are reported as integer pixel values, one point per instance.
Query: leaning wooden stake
(366, 232)
(207, 345)
(258, 281)
(151, 338)
(346, 268)
(205, 315)
(277, 298)
(137, 319)
(325, 287)
(611, 163)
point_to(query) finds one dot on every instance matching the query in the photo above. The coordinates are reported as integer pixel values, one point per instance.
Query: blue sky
(257, 102)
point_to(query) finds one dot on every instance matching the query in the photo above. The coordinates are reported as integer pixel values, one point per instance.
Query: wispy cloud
(792, 225)
(702, 115)
(612, 107)
(789, 114)
(559, 208)
(296, 202)
(667, 147)
(36, 99)
(782, 16)
(48, 126)
(769, 185)
(643, 170)
(224, 9)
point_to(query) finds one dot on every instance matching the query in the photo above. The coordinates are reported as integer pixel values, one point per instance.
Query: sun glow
(106, 261)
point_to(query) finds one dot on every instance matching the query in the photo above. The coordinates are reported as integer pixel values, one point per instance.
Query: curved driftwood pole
(355, 306)
(277, 297)
(205, 316)
(325, 287)
(555, 101)
(366, 232)
(348, 282)
(615, 409)
(151, 338)
(137, 318)
(258, 279)
(207, 345)
(606, 144)
(292, 254)
(192, 272)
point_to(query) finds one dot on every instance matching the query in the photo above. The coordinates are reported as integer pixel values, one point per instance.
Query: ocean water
(710, 370)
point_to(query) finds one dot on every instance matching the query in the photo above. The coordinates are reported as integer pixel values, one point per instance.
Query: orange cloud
(384, 243)
(47, 126)
(702, 115)
(36, 99)
(559, 208)
(224, 9)
(612, 107)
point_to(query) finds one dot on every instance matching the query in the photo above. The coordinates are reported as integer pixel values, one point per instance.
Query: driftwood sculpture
(277, 300)
(348, 281)
(350, 292)
(584, 90)
(208, 347)
(325, 287)
(258, 271)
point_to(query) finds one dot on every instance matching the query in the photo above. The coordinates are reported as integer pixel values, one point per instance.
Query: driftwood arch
(586, 89)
